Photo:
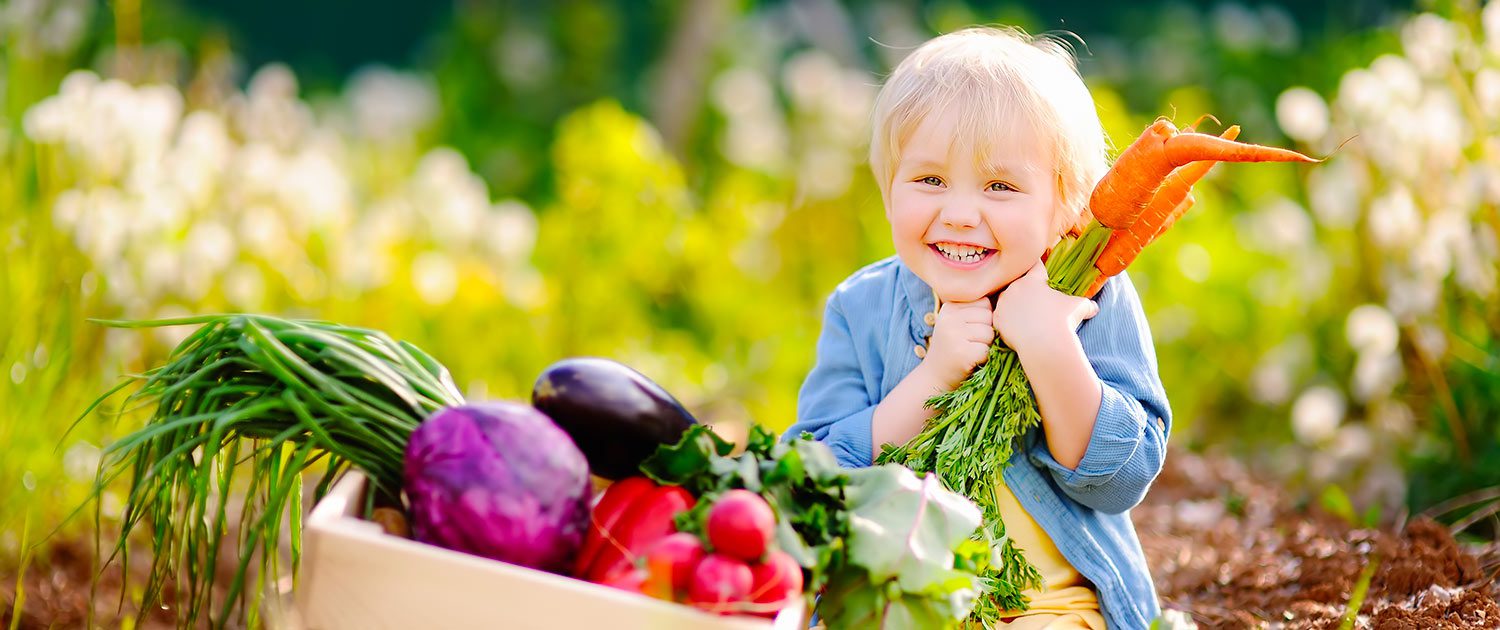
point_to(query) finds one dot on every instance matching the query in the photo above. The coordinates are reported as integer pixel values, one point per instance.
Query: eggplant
(615, 415)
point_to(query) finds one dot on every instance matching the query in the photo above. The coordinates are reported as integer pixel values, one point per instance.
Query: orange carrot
(1125, 245)
(1192, 147)
(1125, 191)
(1171, 200)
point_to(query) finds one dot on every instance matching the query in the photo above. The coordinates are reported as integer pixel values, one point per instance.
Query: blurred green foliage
(680, 185)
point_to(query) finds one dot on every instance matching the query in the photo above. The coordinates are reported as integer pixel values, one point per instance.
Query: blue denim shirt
(871, 326)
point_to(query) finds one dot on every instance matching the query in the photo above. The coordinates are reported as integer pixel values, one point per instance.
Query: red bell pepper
(606, 514)
(634, 521)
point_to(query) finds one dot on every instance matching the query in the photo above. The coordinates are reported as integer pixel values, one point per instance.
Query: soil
(1228, 550)
(1234, 552)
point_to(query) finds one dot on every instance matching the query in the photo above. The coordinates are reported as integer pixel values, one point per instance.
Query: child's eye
(1000, 187)
(931, 181)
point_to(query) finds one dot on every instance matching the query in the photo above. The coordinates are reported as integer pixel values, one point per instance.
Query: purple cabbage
(498, 480)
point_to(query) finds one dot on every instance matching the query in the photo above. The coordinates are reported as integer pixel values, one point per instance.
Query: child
(986, 146)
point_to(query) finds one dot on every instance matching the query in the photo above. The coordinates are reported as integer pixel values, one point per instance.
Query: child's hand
(1029, 311)
(960, 340)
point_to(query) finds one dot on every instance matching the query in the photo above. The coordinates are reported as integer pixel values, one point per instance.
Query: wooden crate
(356, 576)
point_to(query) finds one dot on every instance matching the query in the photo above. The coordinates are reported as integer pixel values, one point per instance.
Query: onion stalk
(247, 403)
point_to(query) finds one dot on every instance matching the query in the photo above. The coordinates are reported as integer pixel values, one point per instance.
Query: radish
(776, 581)
(740, 525)
(718, 583)
(674, 559)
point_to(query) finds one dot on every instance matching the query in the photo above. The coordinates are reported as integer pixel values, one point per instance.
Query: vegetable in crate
(886, 546)
(279, 396)
(615, 414)
(632, 515)
(498, 480)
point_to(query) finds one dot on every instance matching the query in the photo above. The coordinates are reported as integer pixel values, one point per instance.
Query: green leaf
(786, 470)
(1337, 503)
(818, 461)
(903, 532)
(692, 456)
(761, 441)
(906, 528)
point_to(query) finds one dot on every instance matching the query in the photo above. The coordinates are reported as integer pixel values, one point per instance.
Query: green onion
(269, 397)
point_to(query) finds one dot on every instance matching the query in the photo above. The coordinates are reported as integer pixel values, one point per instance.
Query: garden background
(679, 185)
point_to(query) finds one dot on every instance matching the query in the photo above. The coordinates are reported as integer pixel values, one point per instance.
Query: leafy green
(903, 571)
(880, 540)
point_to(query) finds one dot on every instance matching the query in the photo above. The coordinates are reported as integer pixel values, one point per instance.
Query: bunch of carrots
(970, 440)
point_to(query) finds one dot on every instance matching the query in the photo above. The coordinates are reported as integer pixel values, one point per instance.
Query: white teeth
(961, 253)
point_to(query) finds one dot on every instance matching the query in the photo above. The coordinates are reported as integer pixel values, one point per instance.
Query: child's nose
(960, 214)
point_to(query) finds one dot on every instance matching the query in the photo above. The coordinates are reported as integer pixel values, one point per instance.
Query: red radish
(674, 559)
(740, 525)
(778, 580)
(718, 583)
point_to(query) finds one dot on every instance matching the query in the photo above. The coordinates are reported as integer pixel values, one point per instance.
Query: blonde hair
(1000, 83)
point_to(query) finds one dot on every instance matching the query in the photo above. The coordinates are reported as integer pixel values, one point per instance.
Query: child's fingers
(980, 332)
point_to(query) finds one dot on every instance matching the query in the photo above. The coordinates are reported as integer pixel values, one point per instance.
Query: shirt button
(921, 352)
(930, 318)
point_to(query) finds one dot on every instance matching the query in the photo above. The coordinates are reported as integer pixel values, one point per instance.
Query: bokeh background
(678, 185)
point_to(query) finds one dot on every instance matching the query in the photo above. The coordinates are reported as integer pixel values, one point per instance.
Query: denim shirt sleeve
(1129, 442)
(834, 404)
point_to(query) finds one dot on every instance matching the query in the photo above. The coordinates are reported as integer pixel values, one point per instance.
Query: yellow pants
(1068, 621)
(1067, 602)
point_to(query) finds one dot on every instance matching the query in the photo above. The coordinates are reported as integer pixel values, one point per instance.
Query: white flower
(210, 245)
(1375, 376)
(1271, 381)
(1361, 94)
(1317, 414)
(389, 105)
(1429, 42)
(742, 91)
(434, 278)
(1371, 329)
(1335, 190)
(1410, 298)
(1487, 91)
(1393, 219)
(316, 190)
(452, 199)
(1400, 78)
(1443, 131)
(512, 231)
(1280, 226)
(1302, 114)
(1352, 443)
(809, 76)
(757, 142)
(1393, 417)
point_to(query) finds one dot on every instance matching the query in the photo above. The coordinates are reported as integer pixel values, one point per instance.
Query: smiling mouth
(961, 254)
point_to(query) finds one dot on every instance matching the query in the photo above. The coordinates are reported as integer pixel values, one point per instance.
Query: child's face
(968, 231)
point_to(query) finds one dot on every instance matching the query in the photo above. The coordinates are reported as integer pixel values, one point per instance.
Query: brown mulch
(1236, 552)
(1228, 549)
